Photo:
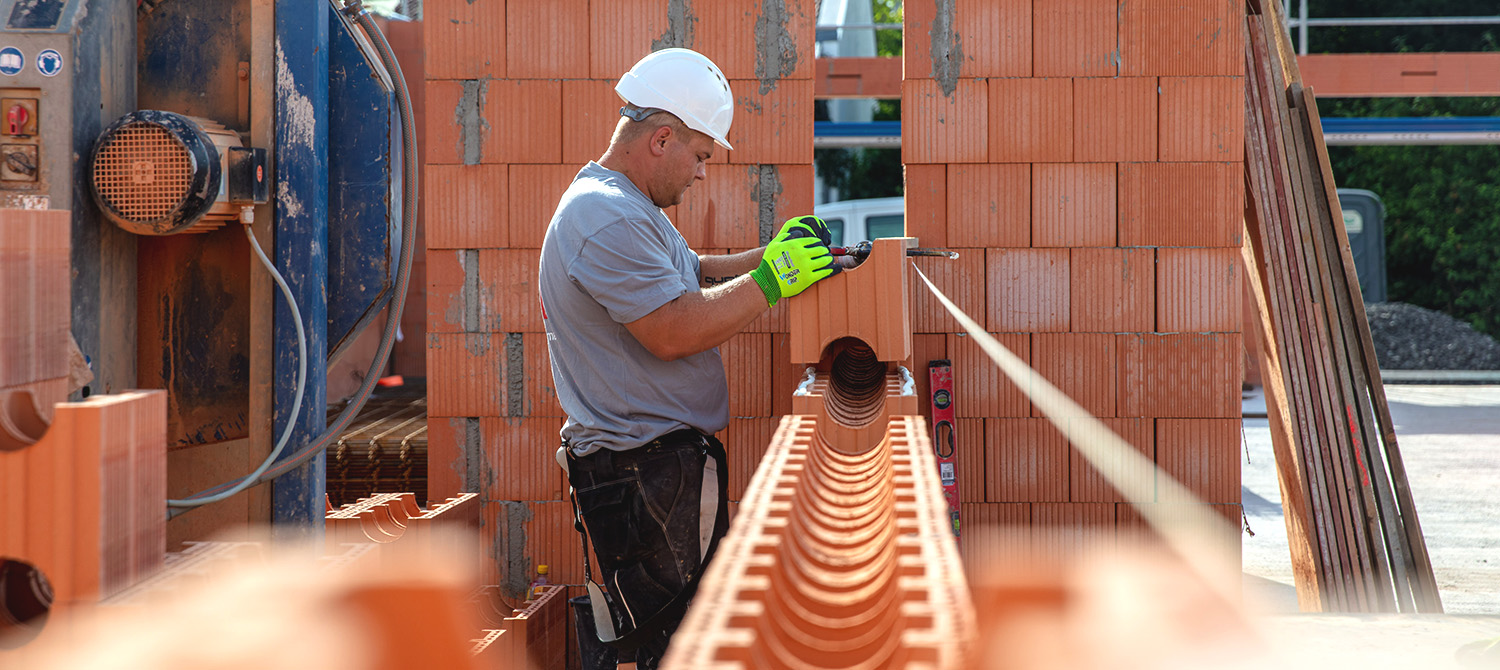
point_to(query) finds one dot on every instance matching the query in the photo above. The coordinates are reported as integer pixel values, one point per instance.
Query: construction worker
(633, 319)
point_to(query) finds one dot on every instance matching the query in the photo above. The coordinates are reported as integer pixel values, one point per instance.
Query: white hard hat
(685, 83)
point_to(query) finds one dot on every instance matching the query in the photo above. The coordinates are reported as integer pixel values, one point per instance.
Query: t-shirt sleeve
(628, 270)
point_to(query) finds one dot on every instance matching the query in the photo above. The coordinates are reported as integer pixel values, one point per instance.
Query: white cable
(291, 420)
(1112, 456)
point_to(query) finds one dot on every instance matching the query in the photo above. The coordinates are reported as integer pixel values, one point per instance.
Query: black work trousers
(643, 514)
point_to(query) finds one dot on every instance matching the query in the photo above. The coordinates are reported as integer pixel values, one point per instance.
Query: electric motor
(160, 173)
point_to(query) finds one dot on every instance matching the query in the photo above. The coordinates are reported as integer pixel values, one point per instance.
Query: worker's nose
(702, 172)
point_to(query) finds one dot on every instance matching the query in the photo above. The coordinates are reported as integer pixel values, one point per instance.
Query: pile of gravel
(1408, 337)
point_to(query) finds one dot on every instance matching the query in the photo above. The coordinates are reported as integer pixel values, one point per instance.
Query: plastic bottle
(538, 584)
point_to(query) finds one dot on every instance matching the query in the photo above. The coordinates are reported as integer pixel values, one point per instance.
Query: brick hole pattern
(1096, 202)
(836, 560)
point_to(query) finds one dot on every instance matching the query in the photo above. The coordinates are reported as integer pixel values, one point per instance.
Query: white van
(854, 221)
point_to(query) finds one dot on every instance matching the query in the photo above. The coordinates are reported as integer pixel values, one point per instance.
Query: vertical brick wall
(1084, 157)
(520, 95)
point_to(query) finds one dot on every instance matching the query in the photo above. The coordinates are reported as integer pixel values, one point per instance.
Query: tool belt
(622, 620)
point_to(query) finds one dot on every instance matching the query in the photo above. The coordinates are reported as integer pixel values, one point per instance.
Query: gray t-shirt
(610, 257)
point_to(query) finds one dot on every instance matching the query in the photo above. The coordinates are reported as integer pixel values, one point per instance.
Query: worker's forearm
(720, 270)
(697, 322)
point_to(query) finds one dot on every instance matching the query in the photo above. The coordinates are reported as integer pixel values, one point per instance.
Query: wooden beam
(858, 78)
(1402, 75)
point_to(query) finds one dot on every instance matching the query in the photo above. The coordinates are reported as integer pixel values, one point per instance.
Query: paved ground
(1450, 440)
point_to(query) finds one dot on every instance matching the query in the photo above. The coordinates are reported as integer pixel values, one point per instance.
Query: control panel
(20, 141)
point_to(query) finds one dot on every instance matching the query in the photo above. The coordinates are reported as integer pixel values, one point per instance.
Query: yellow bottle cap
(541, 569)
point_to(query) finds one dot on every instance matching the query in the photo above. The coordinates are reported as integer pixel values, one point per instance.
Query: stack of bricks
(1084, 157)
(520, 96)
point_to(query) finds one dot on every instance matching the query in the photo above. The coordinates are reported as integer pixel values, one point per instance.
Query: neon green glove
(811, 224)
(793, 261)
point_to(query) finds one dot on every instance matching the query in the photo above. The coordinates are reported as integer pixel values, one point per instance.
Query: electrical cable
(286, 433)
(387, 59)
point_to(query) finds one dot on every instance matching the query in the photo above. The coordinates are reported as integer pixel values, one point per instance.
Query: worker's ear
(659, 140)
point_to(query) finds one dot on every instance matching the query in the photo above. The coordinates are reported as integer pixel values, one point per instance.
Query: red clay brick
(721, 211)
(772, 127)
(547, 39)
(1203, 455)
(925, 348)
(441, 130)
(990, 530)
(1113, 290)
(1028, 290)
(746, 441)
(470, 380)
(747, 365)
(520, 461)
(1198, 290)
(547, 538)
(541, 395)
(961, 279)
(1073, 205)
(1075, 38)
(1181, 204)
(927, 204)
(1003, 28)
(773, 320)
(464, 40)
(445, 456)
(980, 389)
(730, 34)
(1081, 365)
(622, 32)
(1169, 37)
(968, 458)
(784, 375)
(534, 193)
(1088, 485)
(1067, 532)
(1031, 120)
(510, 274)
(445, 290)
(1202, 118)
(590, 110)
(525, 118)
(1180, 375)
(1114, 119)
(1027, 461)
(989, 205)
(465, 206)
(944, 129)
(1226, 536)
(796, 196)
(917, 20)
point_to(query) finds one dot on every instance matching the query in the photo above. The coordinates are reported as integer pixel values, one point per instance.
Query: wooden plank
(1272, 209)
(1357, 491)
(1424, 588)
(1300, 324)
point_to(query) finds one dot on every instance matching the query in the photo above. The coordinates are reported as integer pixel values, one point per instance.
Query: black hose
(403, 274)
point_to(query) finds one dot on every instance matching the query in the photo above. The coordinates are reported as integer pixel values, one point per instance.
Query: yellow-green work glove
(793, 261)
(811, 224)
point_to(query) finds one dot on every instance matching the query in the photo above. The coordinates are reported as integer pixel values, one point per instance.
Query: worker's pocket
(611, 511)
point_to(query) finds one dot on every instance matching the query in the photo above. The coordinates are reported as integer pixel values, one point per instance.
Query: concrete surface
(1450, 440)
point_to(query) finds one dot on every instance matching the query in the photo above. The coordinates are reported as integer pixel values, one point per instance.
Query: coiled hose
(387, 58)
